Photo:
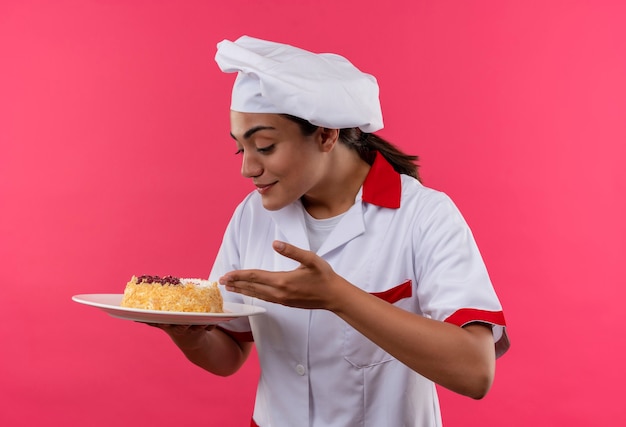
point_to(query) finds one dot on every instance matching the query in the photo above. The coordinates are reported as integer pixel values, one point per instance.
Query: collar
(382, 186)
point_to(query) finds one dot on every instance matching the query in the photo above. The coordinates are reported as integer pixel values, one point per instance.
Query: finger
(154, 325)
(245, 287)
(302, 256)
(243, 278)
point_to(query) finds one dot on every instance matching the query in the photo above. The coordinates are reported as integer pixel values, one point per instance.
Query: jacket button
(300, 370)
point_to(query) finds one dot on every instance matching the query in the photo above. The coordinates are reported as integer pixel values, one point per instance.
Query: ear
(328, 138)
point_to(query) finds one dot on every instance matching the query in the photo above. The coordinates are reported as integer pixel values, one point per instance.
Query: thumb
(295, 253)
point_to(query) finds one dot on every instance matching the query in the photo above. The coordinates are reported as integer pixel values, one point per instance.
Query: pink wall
(115, 160)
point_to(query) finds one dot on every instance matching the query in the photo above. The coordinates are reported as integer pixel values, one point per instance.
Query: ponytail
(367, 145)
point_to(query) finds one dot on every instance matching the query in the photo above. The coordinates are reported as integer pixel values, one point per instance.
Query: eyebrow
(252, 130)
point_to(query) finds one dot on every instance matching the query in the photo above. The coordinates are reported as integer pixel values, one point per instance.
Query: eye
(265, 150)
(239, 151)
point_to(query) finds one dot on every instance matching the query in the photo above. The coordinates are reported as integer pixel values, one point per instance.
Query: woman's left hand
(308, 286)
(461, 359)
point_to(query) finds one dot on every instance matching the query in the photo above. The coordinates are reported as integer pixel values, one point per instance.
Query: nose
(251, 167)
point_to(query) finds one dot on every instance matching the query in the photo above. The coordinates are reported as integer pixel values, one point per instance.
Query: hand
(185, 336)
(180, 329)
(308, 286)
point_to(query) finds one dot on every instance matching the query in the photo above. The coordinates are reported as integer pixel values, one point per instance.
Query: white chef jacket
(400, 241)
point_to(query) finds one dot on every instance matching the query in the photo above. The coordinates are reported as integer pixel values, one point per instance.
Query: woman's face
(283, 163)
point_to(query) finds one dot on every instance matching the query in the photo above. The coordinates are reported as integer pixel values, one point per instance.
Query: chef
(373, 285)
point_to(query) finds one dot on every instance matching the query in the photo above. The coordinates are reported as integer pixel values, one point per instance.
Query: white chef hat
(325, 89)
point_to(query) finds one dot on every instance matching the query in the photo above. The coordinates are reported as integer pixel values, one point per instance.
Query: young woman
(374, 288)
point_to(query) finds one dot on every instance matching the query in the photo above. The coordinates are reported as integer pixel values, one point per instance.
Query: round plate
(110, 303)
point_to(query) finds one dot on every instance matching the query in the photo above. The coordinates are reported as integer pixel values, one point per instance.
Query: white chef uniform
(400, 241)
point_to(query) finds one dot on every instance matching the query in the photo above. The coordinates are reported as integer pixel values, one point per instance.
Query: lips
(263, 188)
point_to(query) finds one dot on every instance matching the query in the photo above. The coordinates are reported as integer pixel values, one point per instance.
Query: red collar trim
(382, 186)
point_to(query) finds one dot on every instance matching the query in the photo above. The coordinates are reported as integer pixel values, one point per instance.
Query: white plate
(110, 303)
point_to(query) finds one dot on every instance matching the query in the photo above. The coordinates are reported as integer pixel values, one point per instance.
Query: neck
(344, 175)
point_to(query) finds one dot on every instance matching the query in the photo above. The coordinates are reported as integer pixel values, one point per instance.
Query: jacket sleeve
(453, 283)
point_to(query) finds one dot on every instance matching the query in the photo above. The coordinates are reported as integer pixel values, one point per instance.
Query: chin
(274, 203)
(273, 206)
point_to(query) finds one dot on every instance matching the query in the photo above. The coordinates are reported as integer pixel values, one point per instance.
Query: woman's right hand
(208, 347)
(185, 336)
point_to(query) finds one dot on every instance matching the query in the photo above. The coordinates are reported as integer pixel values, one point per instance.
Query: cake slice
(170, 293)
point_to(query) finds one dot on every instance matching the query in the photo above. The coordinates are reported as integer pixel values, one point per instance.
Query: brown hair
(366, 144)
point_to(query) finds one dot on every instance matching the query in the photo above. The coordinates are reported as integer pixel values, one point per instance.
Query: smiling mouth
(263, 188)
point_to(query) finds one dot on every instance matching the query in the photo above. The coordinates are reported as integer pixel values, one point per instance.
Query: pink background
(115, 160)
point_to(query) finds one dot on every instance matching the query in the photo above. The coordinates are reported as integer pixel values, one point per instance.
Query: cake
(172, 294)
